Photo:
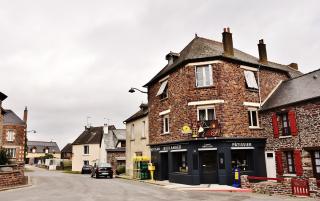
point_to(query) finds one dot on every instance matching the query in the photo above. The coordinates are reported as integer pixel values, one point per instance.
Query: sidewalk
(184, 187)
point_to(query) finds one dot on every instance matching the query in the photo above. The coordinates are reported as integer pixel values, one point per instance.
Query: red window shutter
(293, 123)
(298, 162)
(279, 162)
(275, 125)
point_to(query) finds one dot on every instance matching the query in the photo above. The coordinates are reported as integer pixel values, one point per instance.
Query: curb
(17, 187)
(142, 181)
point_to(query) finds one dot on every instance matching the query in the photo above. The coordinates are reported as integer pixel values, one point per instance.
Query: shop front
(208, 161)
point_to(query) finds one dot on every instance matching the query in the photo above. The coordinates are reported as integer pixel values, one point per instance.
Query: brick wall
(111, 158)
(229, 85)
(18, 142)
(12, 177)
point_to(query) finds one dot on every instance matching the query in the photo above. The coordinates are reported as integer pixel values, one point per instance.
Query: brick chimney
(263, 58)
(294, 66)
(25, 115)
(227, 42)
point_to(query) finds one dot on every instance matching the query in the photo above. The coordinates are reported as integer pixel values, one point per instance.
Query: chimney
(263, 58)
(172, 57)
(25, 115)
(227, 42)
(294, 66)
(105, 129)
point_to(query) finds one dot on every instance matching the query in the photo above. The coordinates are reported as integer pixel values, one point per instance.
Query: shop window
(166, 126)
(242, 159)
(204, 76)
(206, 113)
(290, 162)
(179, 162)
(253, 118)
(251, 82)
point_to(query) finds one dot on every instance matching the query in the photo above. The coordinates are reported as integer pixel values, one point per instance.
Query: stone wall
(111, 158)
(18, 142)
(228, 85)
(12, 175)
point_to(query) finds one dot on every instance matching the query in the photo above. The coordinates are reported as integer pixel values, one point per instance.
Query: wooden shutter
(292, 123)
(275, 125)
(298, 162)
(279, 162)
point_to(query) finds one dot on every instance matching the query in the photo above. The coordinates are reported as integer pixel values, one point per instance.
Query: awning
(162, 87)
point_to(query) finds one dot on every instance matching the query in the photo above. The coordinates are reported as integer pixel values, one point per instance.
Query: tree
(3, 156)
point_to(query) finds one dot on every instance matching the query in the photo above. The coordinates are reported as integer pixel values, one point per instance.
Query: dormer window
(251, 81)
(163, 90)
(204, 76)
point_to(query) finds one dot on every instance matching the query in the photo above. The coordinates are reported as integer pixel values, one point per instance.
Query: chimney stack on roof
(25, 115)
(263, 58)
(227, 42)
(294, 66)
(171, 57)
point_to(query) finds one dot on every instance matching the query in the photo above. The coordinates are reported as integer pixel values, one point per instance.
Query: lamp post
(25, 143)
(132, 90)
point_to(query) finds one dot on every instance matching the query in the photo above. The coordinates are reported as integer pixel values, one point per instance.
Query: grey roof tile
(10, 118)
(41, 145)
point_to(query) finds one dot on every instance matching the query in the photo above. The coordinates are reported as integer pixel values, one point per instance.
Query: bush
(121, 169)
(3, 157)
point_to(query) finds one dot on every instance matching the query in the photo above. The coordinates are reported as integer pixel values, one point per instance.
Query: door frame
(213, 150)
(273, 169)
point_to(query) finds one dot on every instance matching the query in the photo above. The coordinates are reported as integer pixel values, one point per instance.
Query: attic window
(163, 90)
(250, 80)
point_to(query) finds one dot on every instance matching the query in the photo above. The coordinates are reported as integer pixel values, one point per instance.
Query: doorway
(208, 167)
(270, 164)
(164, 169)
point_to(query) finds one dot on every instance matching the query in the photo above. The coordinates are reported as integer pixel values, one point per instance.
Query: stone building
(13, 135)
(137, 137)
(291, 121)
(203, 111)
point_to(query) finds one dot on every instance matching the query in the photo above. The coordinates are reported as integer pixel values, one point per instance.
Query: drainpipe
(259, 85)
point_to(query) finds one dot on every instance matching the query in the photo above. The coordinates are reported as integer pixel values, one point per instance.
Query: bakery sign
(241, 144)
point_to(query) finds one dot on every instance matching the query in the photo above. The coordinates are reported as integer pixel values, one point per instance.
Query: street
(58, 186)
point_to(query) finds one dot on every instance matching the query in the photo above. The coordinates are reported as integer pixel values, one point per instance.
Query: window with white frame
(253, 118)
(206, 113)
(86, 149)
(204, 76)
(143, 132)
(251, 81)
(166, 125)
(85, 162)
(11, 152)
(10, 135)
(132, 131)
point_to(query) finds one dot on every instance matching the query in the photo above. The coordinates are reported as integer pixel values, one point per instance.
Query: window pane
(250, 79)
(290, 168)
(207, 76)
(317, 154)
(210, 114)
(202, 115)
(254, 118)
(317, 161)
(249, 118)
(199, 72)
(318, 169)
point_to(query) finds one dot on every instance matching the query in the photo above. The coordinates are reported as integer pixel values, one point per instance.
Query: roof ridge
(302, 75)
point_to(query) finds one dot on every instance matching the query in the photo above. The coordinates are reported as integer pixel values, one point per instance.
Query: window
(242, 159)
(180, 163)
(139, 153)
(34, 150)
(86, 149)
(166, 124)
(204, 76)
(10, 135)
(285, 124)
(143, 132)
(85, 162)
(290, 162)
(206, 113)
(317, 163)
(253, 118)
(11, 152)
(163, 90)
(132, 131)
(251, 81)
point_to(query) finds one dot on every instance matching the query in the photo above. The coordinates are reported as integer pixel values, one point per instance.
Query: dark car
(86, 169)
(102, 170)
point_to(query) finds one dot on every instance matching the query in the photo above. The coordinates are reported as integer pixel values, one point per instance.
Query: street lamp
(132, 90)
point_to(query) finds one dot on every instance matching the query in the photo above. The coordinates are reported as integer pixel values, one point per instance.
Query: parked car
(86, 169)
(102, 170)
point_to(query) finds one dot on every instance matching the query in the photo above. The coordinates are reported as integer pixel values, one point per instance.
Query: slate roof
(113, 136)
(10, 118)
(91, 135)
(67, 148)
(302, 88)
(201, 49)
(41, 145)
(141, 113)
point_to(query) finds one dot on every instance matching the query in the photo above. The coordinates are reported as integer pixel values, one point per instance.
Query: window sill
(289, 175)
(165, 133)
(253, 90)
(205, 87)
(163, 99)
(143, 138)
(86, 154)
(132, 140)
(285, 137)
(255, 128)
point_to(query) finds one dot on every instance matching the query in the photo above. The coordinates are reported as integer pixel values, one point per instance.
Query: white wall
(78, 155)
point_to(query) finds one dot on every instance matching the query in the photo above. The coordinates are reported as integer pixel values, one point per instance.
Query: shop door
(164, 170)
(271, 164)
(316, 164)
(208, 167)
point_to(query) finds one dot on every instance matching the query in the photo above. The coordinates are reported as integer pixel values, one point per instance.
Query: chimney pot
(263, 58)
(227, 42)
(294, 66)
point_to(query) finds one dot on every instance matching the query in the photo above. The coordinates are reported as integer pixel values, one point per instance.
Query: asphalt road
(58, 186)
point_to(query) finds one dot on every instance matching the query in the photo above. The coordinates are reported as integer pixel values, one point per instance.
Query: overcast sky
(67, 60)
